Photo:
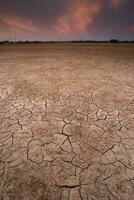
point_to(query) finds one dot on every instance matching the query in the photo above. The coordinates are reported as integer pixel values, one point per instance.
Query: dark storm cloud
(67, 19)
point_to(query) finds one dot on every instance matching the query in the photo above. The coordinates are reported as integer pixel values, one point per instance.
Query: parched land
(67, 122)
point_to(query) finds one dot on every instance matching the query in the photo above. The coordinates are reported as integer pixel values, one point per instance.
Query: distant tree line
(60, 42)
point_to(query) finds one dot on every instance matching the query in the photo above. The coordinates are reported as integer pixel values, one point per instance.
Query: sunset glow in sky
(66, 19)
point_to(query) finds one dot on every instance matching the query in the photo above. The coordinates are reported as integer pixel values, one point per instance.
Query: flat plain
(67, 122)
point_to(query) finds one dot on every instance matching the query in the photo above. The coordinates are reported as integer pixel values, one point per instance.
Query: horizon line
(113, 40)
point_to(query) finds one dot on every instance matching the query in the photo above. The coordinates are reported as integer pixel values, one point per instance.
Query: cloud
(18, 23)
(115, 3)
(78, 16)
(3, 34)
(131, 29)
(64, 19)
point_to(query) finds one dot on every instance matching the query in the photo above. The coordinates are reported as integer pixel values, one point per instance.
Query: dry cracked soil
(67, 122)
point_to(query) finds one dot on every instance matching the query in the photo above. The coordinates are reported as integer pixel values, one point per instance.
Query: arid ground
(67, 122)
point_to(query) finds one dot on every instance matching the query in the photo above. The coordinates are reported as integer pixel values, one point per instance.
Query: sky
(66, 19)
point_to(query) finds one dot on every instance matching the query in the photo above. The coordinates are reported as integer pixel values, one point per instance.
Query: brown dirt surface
(67, 122)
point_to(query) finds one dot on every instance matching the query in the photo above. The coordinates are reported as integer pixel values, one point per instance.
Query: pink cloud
(78, 16)
(18, 23)
(115, 3)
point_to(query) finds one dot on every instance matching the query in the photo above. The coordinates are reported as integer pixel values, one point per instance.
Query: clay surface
(67, 122)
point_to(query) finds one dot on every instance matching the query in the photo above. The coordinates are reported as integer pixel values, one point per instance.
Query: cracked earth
(67, 122)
